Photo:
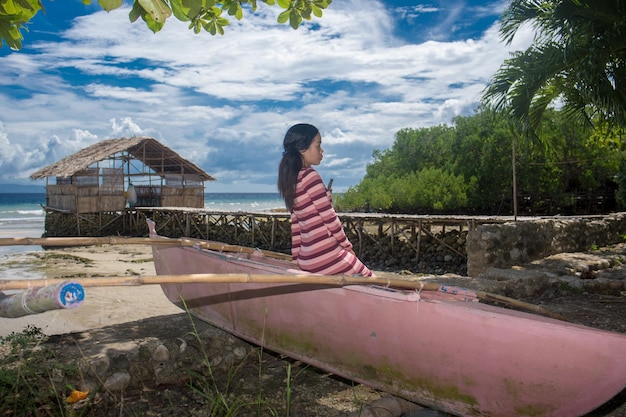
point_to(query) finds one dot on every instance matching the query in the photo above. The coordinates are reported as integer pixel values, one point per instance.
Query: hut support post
(252, 220)
(360, 234)
(392, 234)
(419, 239)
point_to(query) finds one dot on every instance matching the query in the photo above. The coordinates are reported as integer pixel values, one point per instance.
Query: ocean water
(254, 202)
(21, 215)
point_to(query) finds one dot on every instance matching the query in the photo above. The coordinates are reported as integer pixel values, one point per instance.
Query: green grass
(31, 384)
(29, 376)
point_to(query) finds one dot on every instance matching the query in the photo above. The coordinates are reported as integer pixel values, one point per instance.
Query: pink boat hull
(437, 349)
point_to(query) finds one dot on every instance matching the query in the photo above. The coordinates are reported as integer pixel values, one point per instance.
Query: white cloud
(225, 102)
(125, 128)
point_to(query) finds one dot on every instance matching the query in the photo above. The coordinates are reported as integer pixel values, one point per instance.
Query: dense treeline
(467, 168)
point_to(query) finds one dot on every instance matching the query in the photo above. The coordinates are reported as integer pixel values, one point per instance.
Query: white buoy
(131, 195)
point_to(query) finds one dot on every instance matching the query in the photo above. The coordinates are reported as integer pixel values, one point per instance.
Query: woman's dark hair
(298, 138)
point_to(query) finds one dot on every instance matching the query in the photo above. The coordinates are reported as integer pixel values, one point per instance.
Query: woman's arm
(296, 238)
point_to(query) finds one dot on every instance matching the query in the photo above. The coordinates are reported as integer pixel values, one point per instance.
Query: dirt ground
(135, 313)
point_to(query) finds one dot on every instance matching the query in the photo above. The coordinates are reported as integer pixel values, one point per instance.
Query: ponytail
(298, 138)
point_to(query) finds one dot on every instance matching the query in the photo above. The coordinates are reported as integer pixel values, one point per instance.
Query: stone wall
(516, 243)
(439, 253)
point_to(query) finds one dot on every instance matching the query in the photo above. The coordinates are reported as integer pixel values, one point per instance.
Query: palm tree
(577, 61)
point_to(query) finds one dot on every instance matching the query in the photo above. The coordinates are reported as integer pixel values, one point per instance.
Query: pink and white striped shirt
(318, 241)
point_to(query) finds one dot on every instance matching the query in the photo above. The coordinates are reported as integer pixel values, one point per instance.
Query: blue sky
(361, 73)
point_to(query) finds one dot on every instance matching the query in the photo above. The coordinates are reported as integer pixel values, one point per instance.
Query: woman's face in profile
(313, 154)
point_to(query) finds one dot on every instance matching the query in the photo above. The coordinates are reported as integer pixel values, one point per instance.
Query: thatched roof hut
(161, 159)
(116, 173)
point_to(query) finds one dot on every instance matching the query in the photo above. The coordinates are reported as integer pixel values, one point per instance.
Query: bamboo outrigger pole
(92, 241)
(135, 280)
(116, 240)
(330, 280)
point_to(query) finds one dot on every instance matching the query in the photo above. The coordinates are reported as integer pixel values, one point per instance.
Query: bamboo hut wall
(85, 192)
(87, 177)
(112, 181)
(87, 199)
(148, 196)
(112, 197)
(182, 197)
(194, 197)
(111, 203)
(61, 197)
(86, 205)
(84, 199)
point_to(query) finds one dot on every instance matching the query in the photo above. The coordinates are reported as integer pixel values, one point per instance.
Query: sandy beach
(103, 306)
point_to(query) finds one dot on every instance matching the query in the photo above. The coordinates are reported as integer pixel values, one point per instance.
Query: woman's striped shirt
(319, 243)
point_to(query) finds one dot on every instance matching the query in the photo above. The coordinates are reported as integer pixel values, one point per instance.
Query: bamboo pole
(330, 280)
(91, 241)
(135, 280)
(117, 240)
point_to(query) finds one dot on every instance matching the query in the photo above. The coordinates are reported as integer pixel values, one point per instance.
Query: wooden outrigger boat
(442, 349)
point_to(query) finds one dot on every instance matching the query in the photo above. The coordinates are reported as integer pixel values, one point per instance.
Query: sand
(103, 306)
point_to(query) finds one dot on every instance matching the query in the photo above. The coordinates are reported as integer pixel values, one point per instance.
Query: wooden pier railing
(419, 243)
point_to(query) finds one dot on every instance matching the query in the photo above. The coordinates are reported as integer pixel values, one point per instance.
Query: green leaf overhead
(158, 9)
(14, 15)
(108, 5)
(202, 14)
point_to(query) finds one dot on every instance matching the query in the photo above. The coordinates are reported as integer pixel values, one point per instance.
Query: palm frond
(578, 59)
